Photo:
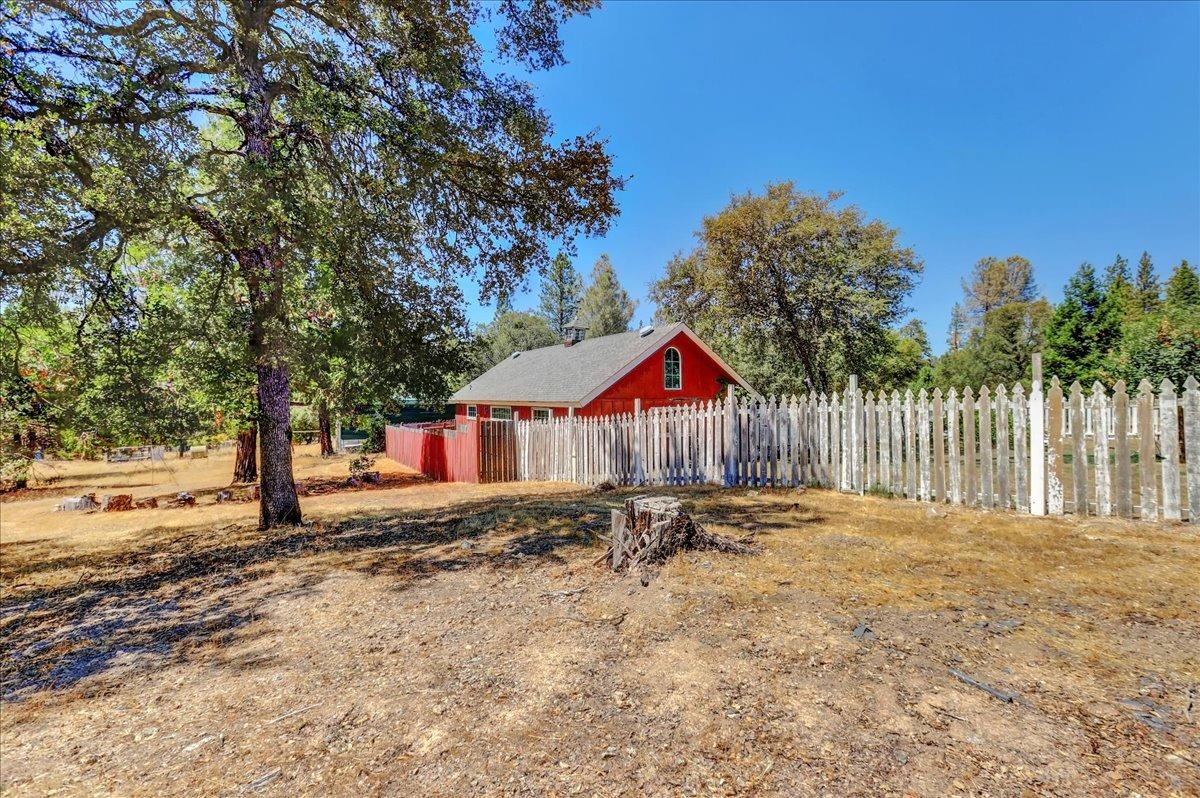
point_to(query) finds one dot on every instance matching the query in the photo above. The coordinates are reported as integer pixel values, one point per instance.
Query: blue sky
(1059, 132)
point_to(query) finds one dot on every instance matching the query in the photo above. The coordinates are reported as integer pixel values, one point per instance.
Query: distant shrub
(14, 471)
(376, 432)
(361, 465)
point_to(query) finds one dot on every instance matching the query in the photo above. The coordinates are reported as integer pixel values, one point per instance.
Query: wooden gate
(497, 450)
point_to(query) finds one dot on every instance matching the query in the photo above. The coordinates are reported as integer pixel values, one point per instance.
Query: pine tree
(996, 282)
(1117, 273)
(1183, 289)
(558, 302)
(1149, 294)
(956, 338)
(1120, 298)
(606, 307)
(1081, 333)
(503, 303)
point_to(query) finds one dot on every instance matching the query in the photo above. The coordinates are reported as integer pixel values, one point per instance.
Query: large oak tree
(375, 137)
(797, 291)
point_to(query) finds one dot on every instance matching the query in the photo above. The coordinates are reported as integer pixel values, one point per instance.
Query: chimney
(573, 333)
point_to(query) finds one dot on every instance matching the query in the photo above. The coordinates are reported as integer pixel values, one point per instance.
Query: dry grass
(456, 640)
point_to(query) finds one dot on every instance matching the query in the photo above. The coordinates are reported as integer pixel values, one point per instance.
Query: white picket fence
(1091, 454)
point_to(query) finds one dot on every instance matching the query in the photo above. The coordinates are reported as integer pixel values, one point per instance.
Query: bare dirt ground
(452, 640)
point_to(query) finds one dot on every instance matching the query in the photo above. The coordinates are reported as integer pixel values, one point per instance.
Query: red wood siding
(520, 412)
(701, 381)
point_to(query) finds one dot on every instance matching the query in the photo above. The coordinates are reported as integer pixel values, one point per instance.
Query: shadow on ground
(93, 614)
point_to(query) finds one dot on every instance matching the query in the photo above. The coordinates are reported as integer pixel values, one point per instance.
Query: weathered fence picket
(1147, 486)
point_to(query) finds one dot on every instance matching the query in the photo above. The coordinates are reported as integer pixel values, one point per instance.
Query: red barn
(663, 365)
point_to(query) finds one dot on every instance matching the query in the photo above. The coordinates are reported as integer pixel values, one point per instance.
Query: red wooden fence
(479, 450)
(439, 452)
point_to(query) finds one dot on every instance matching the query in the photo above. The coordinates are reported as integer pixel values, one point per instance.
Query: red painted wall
(701, 376)
(520, 412)
(701, 382)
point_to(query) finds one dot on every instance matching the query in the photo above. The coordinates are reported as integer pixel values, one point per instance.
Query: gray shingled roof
(562, 374)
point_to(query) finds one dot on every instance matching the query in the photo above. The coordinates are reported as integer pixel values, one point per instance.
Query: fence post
(1037, 441)
(1168, 437)
(638, 474)
(730, 426)
(574, 444)
(854, 434)
(1191, 445)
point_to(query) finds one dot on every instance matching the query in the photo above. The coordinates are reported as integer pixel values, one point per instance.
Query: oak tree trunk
(278, 502)
(323, 424)
(245, 462)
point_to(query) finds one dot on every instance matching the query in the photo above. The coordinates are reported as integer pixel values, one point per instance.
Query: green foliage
(14, 470)
(376, 434)
(1146, 288)
(1081, 331)
(999, 350)
(1183, 289)
(605, 307)
(515, 331)
(561, 291)
(994, 283)
(956, 335)
(905, 360)
(1157, 346)
(796, 292)
(381, 141)
(1120, 297)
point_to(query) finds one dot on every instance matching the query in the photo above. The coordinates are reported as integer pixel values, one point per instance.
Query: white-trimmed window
(672, 370)
(472, 411)
(541, 414)
(501, 413)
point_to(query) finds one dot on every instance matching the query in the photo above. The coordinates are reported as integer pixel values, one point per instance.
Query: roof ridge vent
(642, 333)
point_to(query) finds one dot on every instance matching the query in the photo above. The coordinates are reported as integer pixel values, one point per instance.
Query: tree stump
(652, 528)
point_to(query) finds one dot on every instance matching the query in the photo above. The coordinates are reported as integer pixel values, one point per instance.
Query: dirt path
(474, 649)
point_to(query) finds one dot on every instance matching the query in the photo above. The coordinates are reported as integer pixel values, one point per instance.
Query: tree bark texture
(326, 431)
(278, 502)
(245, 462)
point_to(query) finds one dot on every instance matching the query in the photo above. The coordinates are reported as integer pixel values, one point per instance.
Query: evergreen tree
(996, 282)
(606, 307)
(1183, 289)
(558, 302)
(515, 331)
(1000, 350)
(1149, 294)
(1120, 298)
(906, 358)
(1080, 333)
(956, 338)
(1117, 273)
(503, 303)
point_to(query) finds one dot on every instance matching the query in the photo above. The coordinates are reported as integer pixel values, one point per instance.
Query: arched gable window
(672, 370)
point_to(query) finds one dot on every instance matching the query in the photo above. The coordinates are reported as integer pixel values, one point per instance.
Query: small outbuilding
(660, 366)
